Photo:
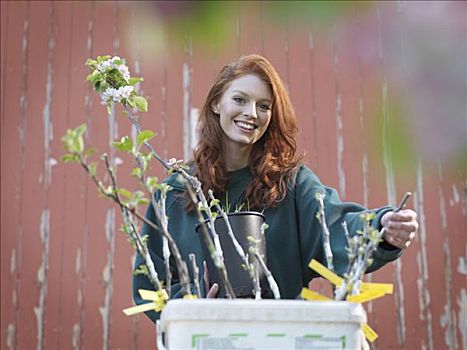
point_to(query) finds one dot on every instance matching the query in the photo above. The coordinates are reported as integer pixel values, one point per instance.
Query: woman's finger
(395, 241)
(399, 239)
(403, 215)
(402, 226)
(213, 291)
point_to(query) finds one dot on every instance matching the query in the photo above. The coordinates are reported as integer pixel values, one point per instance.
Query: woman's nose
(250, 110)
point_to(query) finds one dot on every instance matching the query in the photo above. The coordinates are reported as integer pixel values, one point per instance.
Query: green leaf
(136, 172)
(125, 228)
(101, 59)
(69, 158)
(79, 144)
(141, 103)
(125, 144)
(92, 168)
(94, 77)
(214, 202)
(134, 80)
(91, 62)
(319, 196)
(141, 270)
(124, 192)
(151, 183)
(148, 156)
(143, 201)
(80, 130)
(144, 136)
(89, 152)
(131, 102)
(138, 194)
(164, 188)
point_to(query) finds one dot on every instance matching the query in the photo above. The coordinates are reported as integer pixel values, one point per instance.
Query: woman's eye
(264, 107)
(239, 99)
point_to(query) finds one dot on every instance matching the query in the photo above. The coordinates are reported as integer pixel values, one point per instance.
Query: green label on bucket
(316, 341)
(195, 337)
(221, 343)
(253, 341)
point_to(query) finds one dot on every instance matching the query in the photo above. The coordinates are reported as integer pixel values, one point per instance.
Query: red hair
(273, 158)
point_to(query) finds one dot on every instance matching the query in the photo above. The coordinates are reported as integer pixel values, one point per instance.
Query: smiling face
(244, 111)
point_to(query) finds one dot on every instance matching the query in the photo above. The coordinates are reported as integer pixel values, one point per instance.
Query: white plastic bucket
(246, 324)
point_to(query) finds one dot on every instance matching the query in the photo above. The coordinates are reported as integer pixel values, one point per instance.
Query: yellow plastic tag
(370, 334)
(158, 298)
(387, 288)
(310, 295)
(325, 272)
(366, 296)
(190, 296)
(149, 294)
(138, 309)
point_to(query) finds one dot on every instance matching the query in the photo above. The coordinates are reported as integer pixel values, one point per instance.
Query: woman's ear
(215, 108)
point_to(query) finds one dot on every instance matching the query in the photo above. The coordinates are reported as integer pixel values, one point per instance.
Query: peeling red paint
(33, 65)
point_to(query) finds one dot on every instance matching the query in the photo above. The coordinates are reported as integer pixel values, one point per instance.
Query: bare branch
(195, 274)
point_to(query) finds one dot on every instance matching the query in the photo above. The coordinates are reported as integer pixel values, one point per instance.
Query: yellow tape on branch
(158, 301)
(310, 295)
(370, 334)
(387, 288)
(366, 296)
(325, 272)
(368, 291)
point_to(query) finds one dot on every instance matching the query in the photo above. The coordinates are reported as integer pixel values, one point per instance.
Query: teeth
(245, 125)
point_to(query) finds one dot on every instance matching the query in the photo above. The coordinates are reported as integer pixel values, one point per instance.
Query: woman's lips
(245, 125)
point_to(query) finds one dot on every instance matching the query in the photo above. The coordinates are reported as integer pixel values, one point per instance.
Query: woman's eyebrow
(245, 94)
(240, 92)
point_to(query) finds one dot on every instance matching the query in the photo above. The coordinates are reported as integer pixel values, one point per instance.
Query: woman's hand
(401, 227)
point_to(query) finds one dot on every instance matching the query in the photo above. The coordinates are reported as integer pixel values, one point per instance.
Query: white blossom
(116, 95)
(125, 91)
(111, 63)
(125, 72)
(108, 93)
(102, 67)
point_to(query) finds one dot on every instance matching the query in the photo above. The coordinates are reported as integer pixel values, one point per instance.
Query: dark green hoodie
(294, 235)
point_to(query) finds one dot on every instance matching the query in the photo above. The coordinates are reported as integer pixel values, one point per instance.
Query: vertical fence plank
(99, 228)
(15, 50)
(66, 272)
(35, 218)
(71, 208)
(390, 181)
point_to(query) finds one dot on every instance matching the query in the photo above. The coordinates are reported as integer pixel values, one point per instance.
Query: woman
(247, 155)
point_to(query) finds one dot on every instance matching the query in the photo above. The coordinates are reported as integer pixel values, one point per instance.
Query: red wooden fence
(66, 268)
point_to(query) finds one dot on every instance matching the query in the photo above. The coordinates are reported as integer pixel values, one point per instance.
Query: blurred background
(379, 89)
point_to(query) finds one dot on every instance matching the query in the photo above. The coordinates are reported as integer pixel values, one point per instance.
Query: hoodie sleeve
(336, 212)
